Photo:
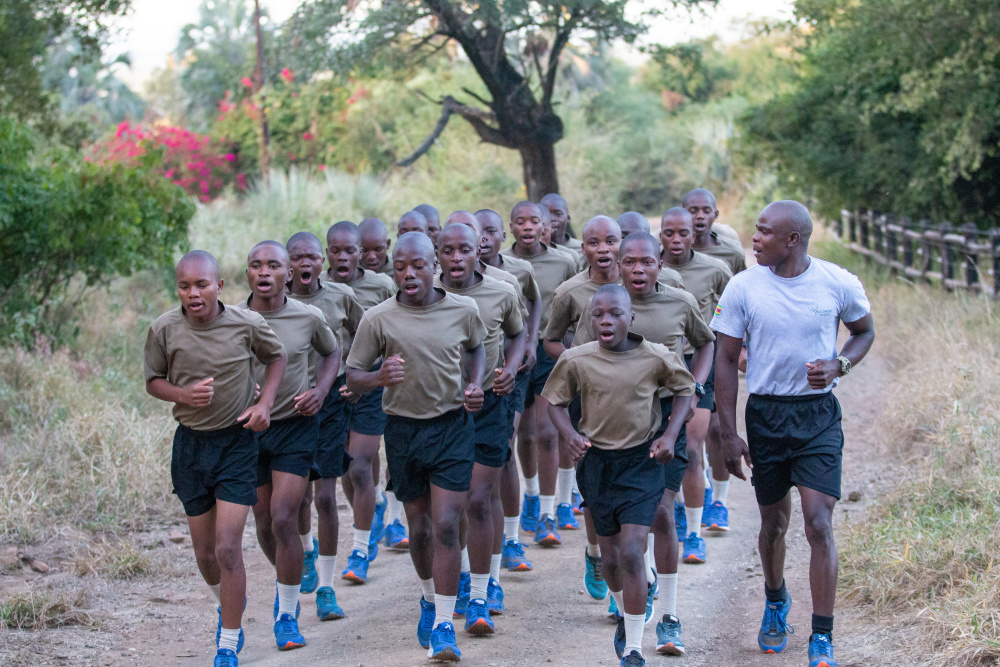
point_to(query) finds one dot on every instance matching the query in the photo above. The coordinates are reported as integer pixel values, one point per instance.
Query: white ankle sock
(217, 592)
(288, 598)
(510, 524)
(229, 639)
(619, 601)
(594, 550)
(564, 485)
(693, 515)
(465, 560)
(444, 608)
(479, 584)
(547, 506)
(576, 487)
(495, 567)
(361, 538)
(531, 485)
(427, 589)
(668, 593)
(307, 541)
(634, 625)
(650, 568)
(680, 497)
(326, 568)
(393, 508)
(721, 491)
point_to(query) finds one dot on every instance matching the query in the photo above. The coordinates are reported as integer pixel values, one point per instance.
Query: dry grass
(119, 561)
(35, 610)
(926, 555)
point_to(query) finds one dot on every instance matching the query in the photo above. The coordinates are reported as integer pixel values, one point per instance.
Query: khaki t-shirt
(342, 312)
(568, 304)
(372, 288)
(726, 232)
(552, 269)
(302, 329)
(667, 316)
(619, 391)
(500, 311)
(575, 254)
(670, 278)
(386, 268)
(730, 253)
(504, 277)
(525, 274)
(432, 341)
(184, 352)
(705, 278)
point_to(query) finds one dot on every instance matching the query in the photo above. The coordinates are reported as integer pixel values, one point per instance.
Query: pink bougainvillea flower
(308, 136)
(322, 167)
(350, 100)
(204, 187)
(170, 173)
(229, 157)
(247, 83)
(241, 181)
(287, 75)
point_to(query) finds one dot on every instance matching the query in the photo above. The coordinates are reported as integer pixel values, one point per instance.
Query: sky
(150, 31)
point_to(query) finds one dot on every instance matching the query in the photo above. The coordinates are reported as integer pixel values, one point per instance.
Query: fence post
(852, 225)
(970, 231)
(864, 223)
(947, 255)
(995, 245)
(925, 249)
(891, 246)
(906, 223)
(878, 230)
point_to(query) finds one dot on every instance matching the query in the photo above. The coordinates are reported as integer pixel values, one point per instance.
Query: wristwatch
(845, 365)
(699, 389)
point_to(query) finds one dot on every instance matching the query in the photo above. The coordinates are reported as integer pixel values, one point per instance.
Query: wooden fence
(965, 258)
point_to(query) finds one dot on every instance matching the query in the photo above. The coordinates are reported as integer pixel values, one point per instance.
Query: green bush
(67, 225)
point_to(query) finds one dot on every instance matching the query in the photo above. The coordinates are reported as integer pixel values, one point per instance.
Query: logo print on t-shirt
(825, 312)
(718, 310)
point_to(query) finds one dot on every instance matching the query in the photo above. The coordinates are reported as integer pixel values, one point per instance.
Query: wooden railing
(965, 258)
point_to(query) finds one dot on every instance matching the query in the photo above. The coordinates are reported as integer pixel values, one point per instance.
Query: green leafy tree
(897, 108)
(515, 48)
(71, 223)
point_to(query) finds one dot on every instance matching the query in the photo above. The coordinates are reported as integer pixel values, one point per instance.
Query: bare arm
(310, 401)
(553, 348)
(474, 363)
(663, 447)
(197, 394)
(823, 371)
(531, 337)
(258, 415)
(701, 362)
(726, 389)
(577, 443)
(390, 373)
(513, 353)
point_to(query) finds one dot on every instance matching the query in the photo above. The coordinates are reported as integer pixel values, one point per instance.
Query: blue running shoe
(310, 579)
(650, 593)
(356, 571)
(774, 629)
(477, 618)
(546, 534)
(298, 605)
(512, 557)
(286, 633)
(218, 629)
(464, 592)
(821, 651)
(593, 576)
(494, 597)
(226, 658)
(633, 659)
(668, 636)
(529, 513)
(708, 500)
(717, 520)
(680, 521)
(619, 635)
(327, 608)
(443, 647)
(575, 500)
(694, 549)
(378, 521)
(613, 608)
(372, 550)
(426, 622)
(565, 519)
(395, 536)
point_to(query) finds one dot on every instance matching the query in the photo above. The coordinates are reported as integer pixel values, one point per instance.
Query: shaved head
(304, 238)
(617, 293)
(282, 253)
(678, 213)
(485, 215)
(459, 230)
(416, 242)
(465, 218)
(791, 216)
(201, 258)
(633, 222)
(343, 227)
(601, 222)
(373, 227)
(429, 212)
(648, 241)
(525, 204)
(554, 200)
(699, 192)
(412, 221)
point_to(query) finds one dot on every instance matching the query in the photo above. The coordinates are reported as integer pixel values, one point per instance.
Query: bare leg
(222, 528)
(771, 542)
(817, 511)
(328, 523)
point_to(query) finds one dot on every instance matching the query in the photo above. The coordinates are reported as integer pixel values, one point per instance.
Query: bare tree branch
(562, 38)
(477, 97)
(475, 117)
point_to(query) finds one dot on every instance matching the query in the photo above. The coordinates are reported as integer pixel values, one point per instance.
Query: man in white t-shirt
(790, 307)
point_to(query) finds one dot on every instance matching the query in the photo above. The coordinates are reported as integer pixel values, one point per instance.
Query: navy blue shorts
(539, 375)
(520, 394)
(706, 402)
(367, 416)
(287, 445)
(794, 441)
(206, 466)
(331, 459)
(620, 486)
(494, 427)
(422, 452)
(673, 472)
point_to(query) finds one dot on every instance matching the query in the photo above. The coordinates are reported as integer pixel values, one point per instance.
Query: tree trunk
(538, 162)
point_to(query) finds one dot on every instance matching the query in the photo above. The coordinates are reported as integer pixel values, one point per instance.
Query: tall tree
(514, 47)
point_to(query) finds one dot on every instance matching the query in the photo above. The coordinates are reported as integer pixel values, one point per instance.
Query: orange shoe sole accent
(771, 652)
(577, 511)
(716, 529)
(353, 578)
(694, 560)
(524, 567)
(550, 541)
(669, 649)
(481, 627)
(404, 544)
(289, 646)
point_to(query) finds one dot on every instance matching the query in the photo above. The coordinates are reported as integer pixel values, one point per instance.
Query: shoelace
(518, 549)
(822, 644)
(448, 633)
(598, 565)
(775, 622)
(286, 624)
